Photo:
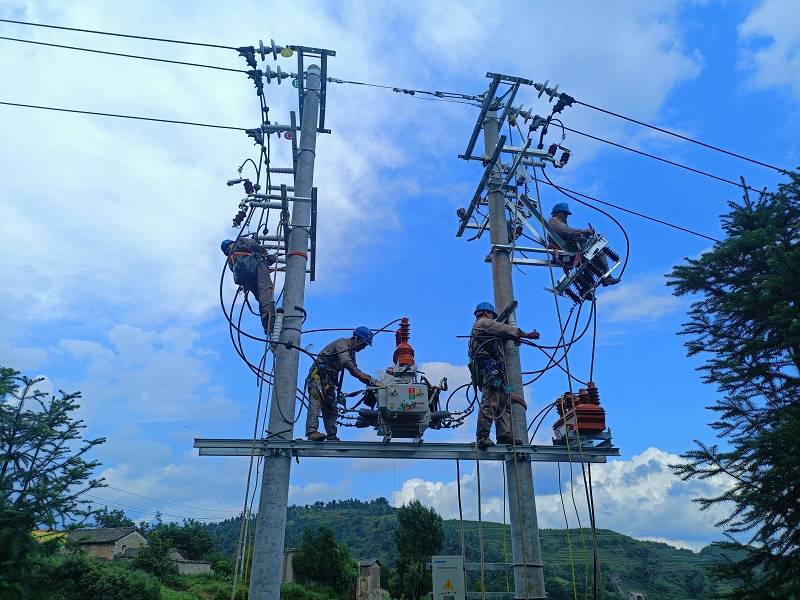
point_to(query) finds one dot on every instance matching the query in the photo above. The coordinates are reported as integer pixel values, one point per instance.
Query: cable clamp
(298, 253)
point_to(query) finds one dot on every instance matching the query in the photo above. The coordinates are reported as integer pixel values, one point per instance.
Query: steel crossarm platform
(431, 451)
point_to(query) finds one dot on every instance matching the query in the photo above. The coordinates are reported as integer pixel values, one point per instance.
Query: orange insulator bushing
(565, 403)
(594, 393)
(583, 396)
(403, 353)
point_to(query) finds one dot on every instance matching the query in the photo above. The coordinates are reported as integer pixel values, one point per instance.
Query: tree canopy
(745, 323)
(419, 535)
(321, 561)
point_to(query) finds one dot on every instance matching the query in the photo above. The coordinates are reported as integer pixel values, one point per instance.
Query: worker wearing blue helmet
(487, 363)
(250, 263)
(577, 237)
(324, 381)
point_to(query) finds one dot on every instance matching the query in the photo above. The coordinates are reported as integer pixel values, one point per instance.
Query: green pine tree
(44, 471)
(745, 322)
(419, 535)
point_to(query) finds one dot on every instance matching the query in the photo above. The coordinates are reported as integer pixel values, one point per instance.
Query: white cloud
(145, 376)
(133, 212)
(639, 497)
(771, 45)
(643, 299)
(695, 546)
(457, 375)
(317, 491)
(111, 228)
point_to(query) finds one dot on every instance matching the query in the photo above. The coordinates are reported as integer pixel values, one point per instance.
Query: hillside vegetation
(661, 571)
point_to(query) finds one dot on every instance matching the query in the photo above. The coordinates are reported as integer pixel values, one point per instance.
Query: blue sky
(110, 228)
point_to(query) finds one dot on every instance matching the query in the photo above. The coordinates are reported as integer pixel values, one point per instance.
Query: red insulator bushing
(403, 353)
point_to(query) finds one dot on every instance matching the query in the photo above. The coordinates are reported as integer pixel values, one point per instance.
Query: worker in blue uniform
(250, 263)
(576, 238)
(488, 366)
(324, 381)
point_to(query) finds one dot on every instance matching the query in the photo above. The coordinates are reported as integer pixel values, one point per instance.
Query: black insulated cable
(633, 212)
(682, 137)
(120, 54)
(661, 159)
(123, 35)
(120, 116)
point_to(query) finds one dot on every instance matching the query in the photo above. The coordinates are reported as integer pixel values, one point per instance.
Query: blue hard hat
(364, 334)
(561, 207)
(226, 246)
(485, 307)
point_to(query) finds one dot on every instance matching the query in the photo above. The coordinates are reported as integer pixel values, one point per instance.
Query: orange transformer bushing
(581, 412)
(403, 353)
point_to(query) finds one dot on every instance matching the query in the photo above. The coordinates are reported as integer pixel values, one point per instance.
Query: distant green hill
(658, 570)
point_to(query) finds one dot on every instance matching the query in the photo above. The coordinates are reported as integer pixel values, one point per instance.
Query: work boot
(610, 280)
(332, 438)
(507, 439)
(484, 442)
(316, 436)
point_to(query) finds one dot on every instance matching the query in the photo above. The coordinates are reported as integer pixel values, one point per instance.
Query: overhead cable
(119, 116)
(441, 95)
(137, 56)
(632, 212)
(659, 158)
(123, 35)
(681, 136)
(177, 122)
(411, 92)
(111, 487)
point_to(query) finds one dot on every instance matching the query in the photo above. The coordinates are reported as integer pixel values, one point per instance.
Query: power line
(454, 96)
(633, 212)
(661, 159)
(137, 56)
(458, 97)
(123, 35)
(120, 116)
(150, 510)
(111, 487)
(172, 121)
(680, 136)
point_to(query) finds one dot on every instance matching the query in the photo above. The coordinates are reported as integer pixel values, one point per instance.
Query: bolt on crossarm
(525, 545)
(270, 532)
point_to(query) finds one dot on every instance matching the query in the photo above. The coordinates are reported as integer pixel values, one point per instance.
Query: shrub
(154, 558)
(209, 588)
(77, 577)
(295, 591)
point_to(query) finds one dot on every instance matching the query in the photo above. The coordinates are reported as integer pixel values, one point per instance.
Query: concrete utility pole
(270, 533)
(525, 547)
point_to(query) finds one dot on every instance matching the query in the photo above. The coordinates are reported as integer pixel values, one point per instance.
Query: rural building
(108, 542)
(189, 567)
(368, 586)
(369, 580)
(287, 575)
(185, 566)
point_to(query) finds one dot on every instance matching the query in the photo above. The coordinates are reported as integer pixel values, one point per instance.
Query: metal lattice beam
(430, 451)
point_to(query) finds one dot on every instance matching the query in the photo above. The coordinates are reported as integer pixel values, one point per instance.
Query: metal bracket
(322, 54)
(487, 173)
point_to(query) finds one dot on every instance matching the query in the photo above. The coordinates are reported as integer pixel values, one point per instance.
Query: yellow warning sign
(449, 587)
